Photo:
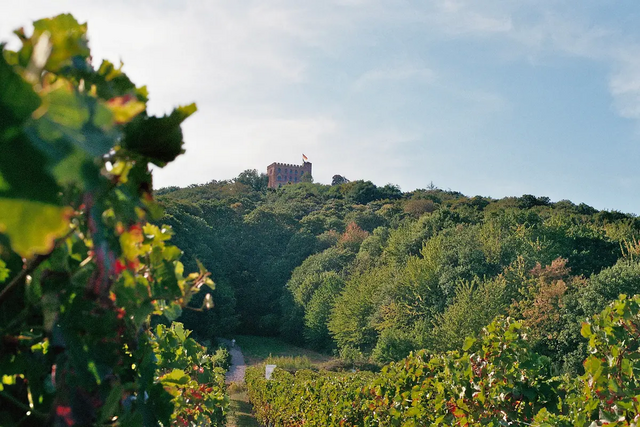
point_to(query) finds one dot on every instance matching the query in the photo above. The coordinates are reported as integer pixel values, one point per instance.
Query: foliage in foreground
(496, 380)
(82, 269)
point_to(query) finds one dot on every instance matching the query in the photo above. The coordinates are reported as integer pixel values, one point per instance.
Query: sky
(494, 98)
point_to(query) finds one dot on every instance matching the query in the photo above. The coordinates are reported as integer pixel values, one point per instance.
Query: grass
(258, 349)
(290, 363)
(240, 409)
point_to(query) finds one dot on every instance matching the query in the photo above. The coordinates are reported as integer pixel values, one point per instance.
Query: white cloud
(390, 74)
(584, 39)
(542, 29)
(624, 82)
(455, 17)
(245, 61)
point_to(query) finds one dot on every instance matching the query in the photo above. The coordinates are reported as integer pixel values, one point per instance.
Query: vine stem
(30, 267)
(21, 405)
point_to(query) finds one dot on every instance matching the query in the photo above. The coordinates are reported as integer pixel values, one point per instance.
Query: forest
(443, 309)
(371, 272)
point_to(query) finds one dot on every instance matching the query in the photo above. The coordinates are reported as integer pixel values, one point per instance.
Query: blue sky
(496, 98)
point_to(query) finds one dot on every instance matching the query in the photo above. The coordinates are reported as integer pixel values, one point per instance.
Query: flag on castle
(304, 158)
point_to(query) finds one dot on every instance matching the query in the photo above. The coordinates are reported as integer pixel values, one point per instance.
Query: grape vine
(496, 380)
(89, 285)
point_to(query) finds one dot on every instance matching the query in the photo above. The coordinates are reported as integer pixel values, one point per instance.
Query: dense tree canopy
(368, 268)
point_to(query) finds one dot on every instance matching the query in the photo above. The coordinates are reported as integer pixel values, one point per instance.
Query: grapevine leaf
(68, 40)
(4, 271)
(50, 307)
(111, 404)
(182, 113)
(193, 349)
(141, 314)
(177, 376)
(21, 172)
(468, 343)
(73, 131)
(158, 138)
(167, 283)
(585, 330)
(17, 98)
(130, 241)
(32, 226)
(171, 253)
(172, 312)
(160, 404)
(178, 328)
(125, 108)
(112, 82)
(30, 214)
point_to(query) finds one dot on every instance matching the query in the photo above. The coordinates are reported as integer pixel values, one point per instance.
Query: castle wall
(284, 173)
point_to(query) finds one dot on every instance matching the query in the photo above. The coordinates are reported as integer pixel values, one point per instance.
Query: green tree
(475, 305)
(338, 180)
(251, 177)
(318, 309)
(362, 192)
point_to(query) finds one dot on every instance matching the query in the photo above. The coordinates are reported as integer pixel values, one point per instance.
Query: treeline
(374, 272)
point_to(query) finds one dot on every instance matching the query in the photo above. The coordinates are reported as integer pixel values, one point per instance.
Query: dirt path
(236, 371)
(240, 414)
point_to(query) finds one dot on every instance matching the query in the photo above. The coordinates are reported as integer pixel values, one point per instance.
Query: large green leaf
(177, 376)
(74, 131)
(112, 82)
(158, 138)
(17, 98)
(68, 40)
(22, 172)
(30, 214)
(166, 285)
(32, 226)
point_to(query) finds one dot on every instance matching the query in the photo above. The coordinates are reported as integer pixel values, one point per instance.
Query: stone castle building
(282, 173)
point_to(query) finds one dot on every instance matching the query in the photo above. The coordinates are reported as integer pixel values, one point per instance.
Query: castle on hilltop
(283, 173)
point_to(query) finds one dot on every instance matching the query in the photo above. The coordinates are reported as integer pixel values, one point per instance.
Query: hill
(371, 271)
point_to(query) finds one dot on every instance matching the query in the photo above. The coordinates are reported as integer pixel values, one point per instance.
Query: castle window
(279, 178)
(296, 172)
(301, 173)
(296, 179)
(279, 170)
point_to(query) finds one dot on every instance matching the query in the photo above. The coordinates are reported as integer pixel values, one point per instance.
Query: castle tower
(283, 173)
